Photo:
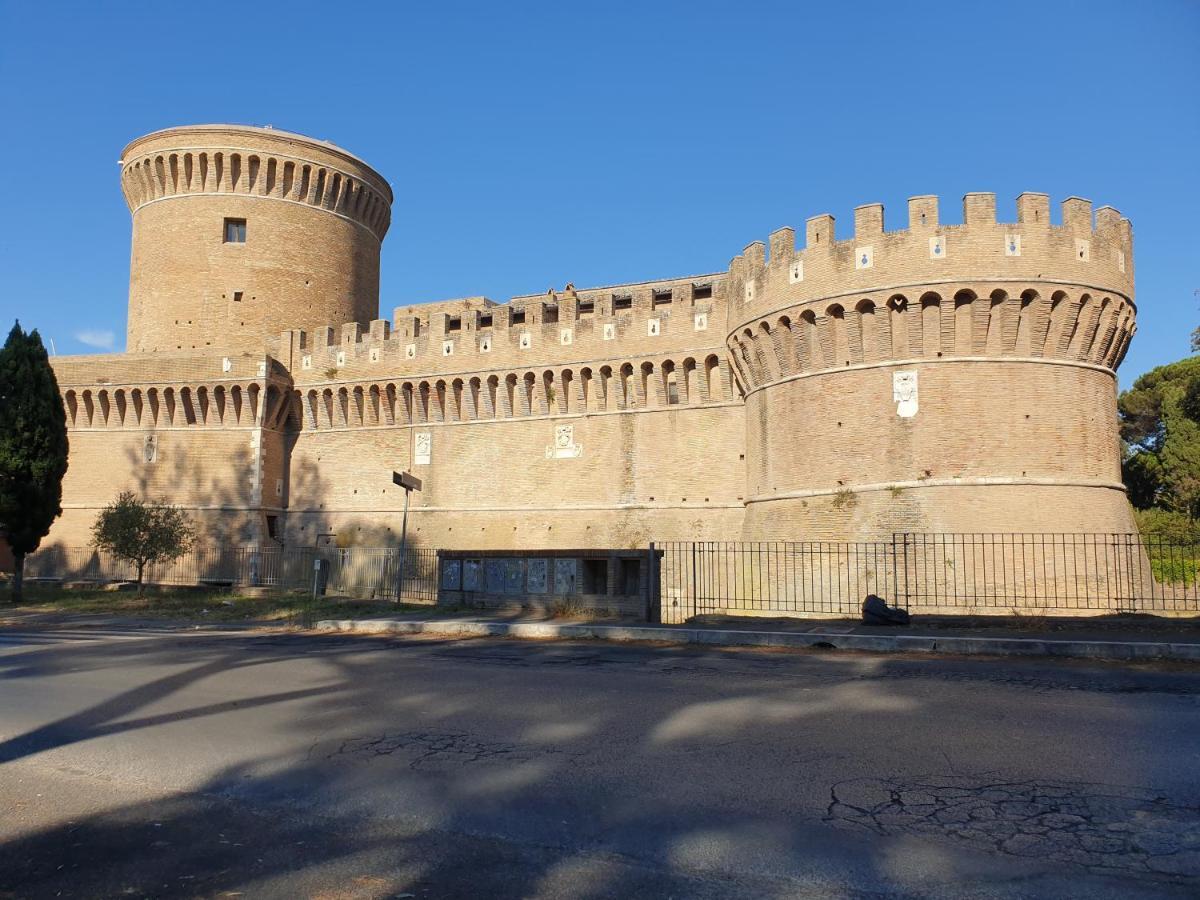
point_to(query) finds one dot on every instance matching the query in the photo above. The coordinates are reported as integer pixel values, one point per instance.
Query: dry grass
(204, 606)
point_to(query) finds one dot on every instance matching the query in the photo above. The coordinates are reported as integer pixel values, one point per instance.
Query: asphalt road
(141, 764)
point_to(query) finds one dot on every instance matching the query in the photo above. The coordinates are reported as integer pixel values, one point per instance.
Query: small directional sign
(406, 480)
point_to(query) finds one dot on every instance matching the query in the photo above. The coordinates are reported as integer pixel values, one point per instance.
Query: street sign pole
(404, 531)
(410, 483)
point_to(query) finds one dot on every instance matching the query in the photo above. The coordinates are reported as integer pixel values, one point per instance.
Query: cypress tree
(33, 446)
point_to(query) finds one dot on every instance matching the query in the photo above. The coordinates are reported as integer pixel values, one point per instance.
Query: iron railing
(931, 573)
(362, 572)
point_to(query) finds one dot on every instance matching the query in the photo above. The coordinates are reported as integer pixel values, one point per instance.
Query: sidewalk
(1133, 640)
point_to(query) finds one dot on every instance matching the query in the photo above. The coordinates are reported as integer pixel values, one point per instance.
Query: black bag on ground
(876, 612)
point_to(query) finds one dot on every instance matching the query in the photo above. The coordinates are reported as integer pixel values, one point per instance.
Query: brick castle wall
(939, 377)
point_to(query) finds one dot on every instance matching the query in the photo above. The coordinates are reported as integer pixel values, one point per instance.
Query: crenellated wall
(313, 215)
(934, 378)
(1010, 333)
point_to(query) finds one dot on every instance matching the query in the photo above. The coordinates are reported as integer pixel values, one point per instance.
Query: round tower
(940, 378)
(240, 233)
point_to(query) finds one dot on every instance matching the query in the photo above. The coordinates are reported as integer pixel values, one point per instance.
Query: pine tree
(33, 446)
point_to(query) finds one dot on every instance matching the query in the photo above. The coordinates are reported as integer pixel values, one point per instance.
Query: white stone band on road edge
(1121, 650)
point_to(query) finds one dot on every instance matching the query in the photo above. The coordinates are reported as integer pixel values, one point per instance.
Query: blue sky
(534, 144)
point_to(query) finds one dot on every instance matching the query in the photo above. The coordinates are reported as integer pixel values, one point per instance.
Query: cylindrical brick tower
(939, 378)
(240, 233)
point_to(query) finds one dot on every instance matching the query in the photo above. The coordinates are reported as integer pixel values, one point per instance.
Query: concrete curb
(883, 643)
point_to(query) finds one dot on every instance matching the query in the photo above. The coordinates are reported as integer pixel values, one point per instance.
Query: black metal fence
(933, 573)
(362, 572)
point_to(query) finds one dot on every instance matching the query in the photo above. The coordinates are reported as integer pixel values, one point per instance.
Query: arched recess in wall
(627, 395)
(475, 398)
(374, 405)
(1083, 320)
(964, 323)
(997, 304)
(712, 379)
(868, 333)
(1027, 312)
(605, 388)
(457, 412)
(930, 305)
(647, 389)
(766, 352)
(836, 336)
(547, 395)
(566, 384)
(690, 382)
(586, 390)
(493, 395)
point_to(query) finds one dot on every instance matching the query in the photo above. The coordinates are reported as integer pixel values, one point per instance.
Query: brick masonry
(937, 377)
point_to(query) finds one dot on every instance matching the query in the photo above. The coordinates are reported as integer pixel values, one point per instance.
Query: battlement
(1089, 249)
(476, 333)
(255, 162)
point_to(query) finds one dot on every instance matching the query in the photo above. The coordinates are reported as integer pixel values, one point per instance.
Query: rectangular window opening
(549, 313)
(625, 302)
(702, 292)
(631, 577)
(587, 307)
(235, 231)
(454, 324)
(485, 321)
(595, 576)
(518, 317)
(237, 296)
(662, 297)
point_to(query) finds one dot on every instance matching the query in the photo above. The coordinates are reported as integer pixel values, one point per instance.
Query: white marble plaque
(652, 327)
(227, 364)
(1083, 249)
(566, 337)
(526, 340)
(410, 351)
(374, 354)
(749, 292)
(864, 257)
(1012, 245)
(447, 348)
(937, 247)
(610, 331)
(422, 448)
(485, 345)
(564, 446)
(796, 272)
(904, 393)
(306, 361)
(702, 321)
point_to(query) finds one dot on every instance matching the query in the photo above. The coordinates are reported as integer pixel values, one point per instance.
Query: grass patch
(205, 606)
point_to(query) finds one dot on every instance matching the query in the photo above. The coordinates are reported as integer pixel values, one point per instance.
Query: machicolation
(936, 377)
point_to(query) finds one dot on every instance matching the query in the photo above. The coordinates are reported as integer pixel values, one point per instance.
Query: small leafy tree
(33, 447)
(143, 533)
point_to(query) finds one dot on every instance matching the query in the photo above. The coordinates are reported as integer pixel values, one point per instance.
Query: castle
(932, 378)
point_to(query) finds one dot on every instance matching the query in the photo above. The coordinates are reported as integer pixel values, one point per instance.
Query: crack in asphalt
(1104, 828)
(439, 749)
